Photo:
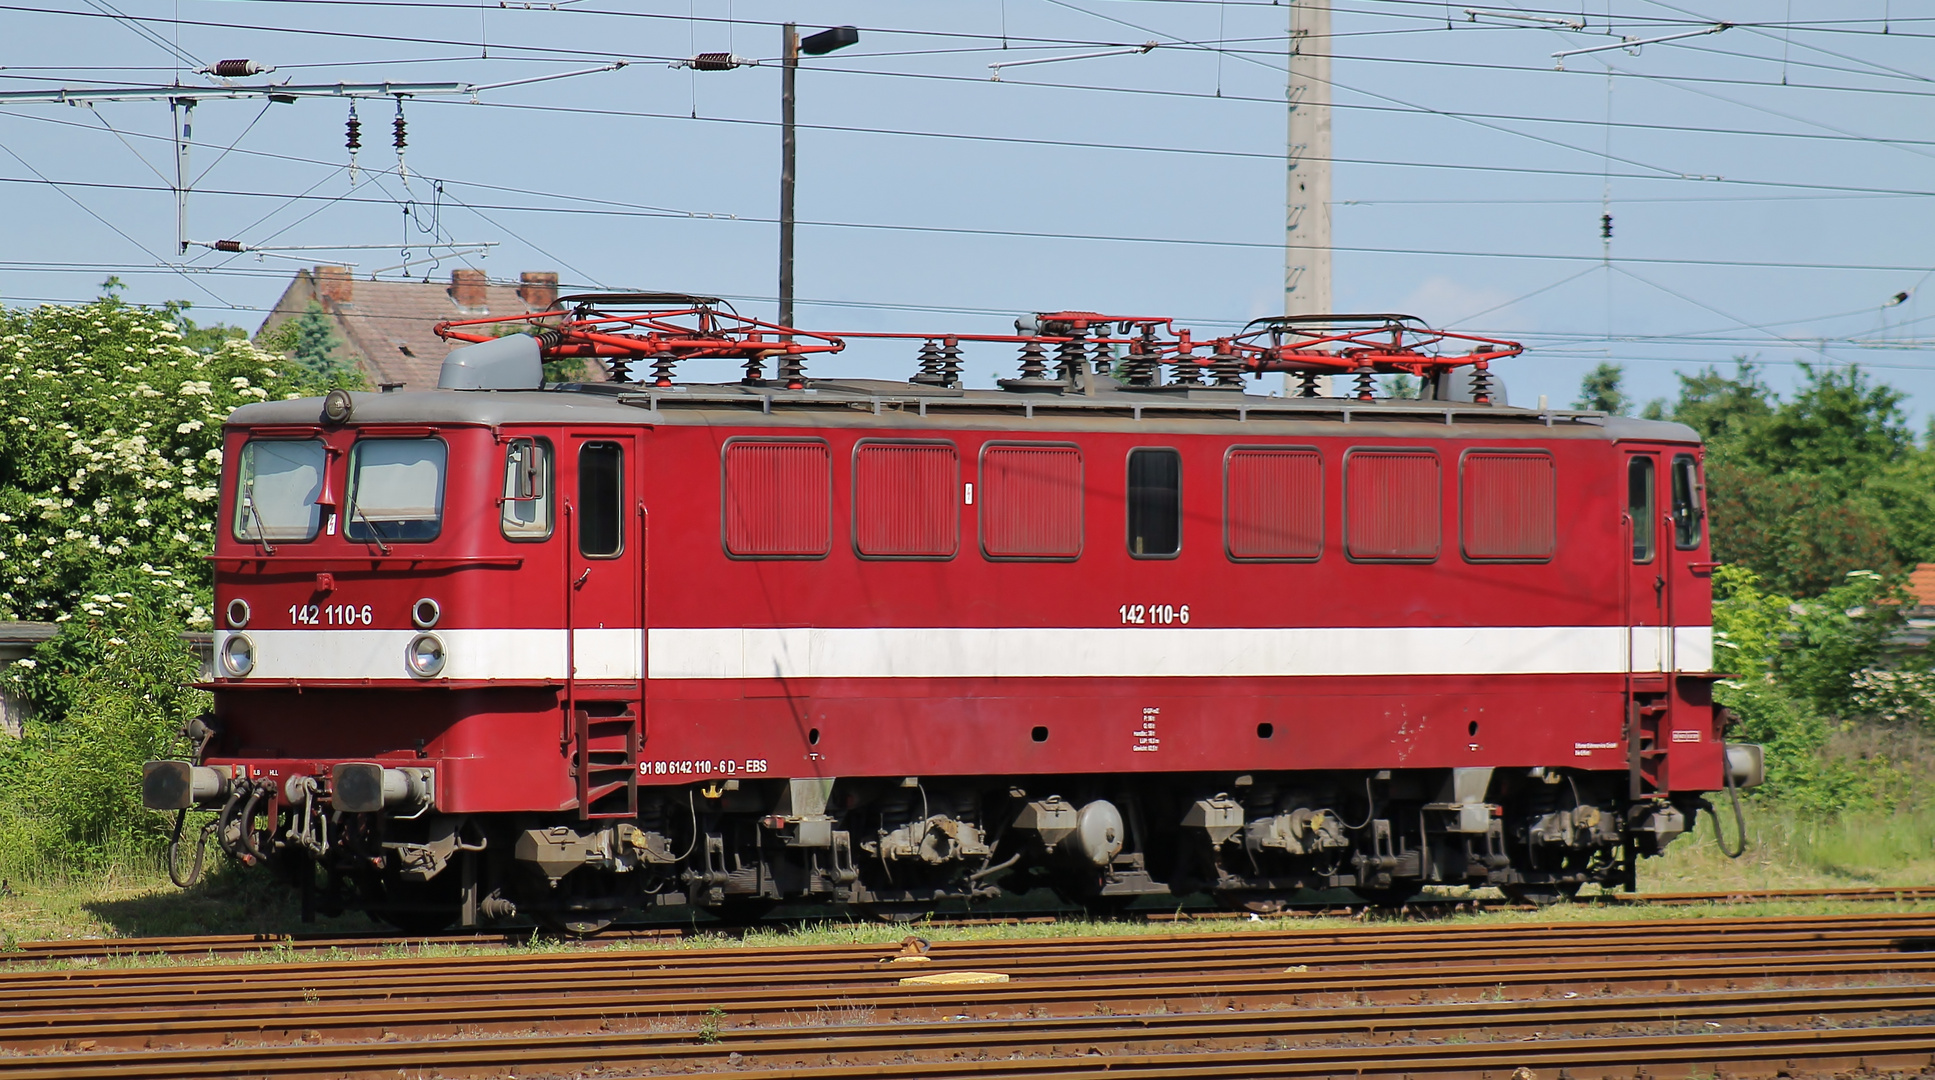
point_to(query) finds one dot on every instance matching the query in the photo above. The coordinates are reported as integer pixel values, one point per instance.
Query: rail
(1798, 996)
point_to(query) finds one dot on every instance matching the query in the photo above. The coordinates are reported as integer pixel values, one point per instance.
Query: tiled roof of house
(385, 326)
(1921, 585)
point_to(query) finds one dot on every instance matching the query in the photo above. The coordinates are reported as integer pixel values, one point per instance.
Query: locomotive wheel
(416, 908)
(421, 922)
(895, 912)
(574, 924)
(1254, 902)
(742, 910)
(1541, 894)
(1388, 897)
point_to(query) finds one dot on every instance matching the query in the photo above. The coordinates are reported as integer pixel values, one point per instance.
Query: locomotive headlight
(238, 655)
(425, 655)
(238, 613)
(425, 613)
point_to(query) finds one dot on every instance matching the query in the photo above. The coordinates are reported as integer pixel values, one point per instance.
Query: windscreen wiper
(255, 519)
(375, 534)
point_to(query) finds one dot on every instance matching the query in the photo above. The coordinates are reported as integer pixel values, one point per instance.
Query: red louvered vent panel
(1275, 504)
(779, 498)
(1391, 504)
(1510, 506)
(906, 500)
(1031, 502)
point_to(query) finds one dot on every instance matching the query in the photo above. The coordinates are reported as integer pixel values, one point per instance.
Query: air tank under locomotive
(1115, 628)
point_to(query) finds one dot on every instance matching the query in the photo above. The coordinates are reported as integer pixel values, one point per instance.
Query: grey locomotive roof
(867, 403)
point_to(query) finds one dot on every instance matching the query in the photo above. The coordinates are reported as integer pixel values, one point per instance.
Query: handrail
(377, 562)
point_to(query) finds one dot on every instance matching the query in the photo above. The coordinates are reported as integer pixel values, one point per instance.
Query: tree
(1838, 426)
(1794, 531)
(315, 343)
(1600, 390)
(1724, 409)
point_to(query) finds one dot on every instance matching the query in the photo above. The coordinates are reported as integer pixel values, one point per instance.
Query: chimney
(470, 289)
(334, 286)
(540, 289)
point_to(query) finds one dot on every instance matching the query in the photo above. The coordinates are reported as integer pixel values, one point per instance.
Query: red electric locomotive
(1114, 628)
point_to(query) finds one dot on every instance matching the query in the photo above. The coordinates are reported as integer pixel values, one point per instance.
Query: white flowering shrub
(110, 457)
(110, 462)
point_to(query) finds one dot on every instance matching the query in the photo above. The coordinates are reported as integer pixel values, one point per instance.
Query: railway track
(376, 941)
(1792, 996)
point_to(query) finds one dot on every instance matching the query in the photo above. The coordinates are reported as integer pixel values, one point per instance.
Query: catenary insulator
(1034, 362)
(1226, 368)
(1071, 356)
(353, 130)
(235, 69)
(792, 371)
(401, 137)
(1366, 383)
(1605, 226)
(950, 362)
(930, 365)
(1481, 384)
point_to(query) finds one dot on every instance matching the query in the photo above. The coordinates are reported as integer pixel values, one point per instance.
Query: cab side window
(526, 503)
(1639, 506)
(601, 500)
(1155, 503)
(1689, 503)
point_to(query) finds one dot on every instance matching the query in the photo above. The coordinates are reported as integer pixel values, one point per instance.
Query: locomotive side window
(1689, 509)
(1392, 508)
(277, 485)
(1031, 501)
(778, 500)
(906, 500)
(1510, 506)
(1273, 503)
(601, 500)
(1639, 506)
(527, 490)
(395, 490)
(1155, 503)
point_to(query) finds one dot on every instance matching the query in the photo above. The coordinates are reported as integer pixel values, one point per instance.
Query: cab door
(1649, 638)
(1692, 737)
(604, 618)
(1649, 632)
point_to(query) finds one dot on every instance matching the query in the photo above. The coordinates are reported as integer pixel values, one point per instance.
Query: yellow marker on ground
(949, 978)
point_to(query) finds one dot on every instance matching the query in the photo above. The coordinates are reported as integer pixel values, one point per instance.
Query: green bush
(1805, 671)
(109, 470)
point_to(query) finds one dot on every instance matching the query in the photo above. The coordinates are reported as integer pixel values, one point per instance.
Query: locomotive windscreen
(281, 480)
(396, 489)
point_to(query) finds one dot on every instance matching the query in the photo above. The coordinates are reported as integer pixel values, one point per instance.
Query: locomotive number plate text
(331, 615)
(1154, 615)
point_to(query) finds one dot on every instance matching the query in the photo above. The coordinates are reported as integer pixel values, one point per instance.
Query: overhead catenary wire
(1903, 194)
(1176, 241)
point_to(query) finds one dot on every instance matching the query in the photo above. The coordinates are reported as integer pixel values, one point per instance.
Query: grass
(1786, 851)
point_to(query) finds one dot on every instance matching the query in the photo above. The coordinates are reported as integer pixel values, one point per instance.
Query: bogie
(903, 847)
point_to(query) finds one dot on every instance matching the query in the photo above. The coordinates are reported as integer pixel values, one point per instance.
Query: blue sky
(1770, 184)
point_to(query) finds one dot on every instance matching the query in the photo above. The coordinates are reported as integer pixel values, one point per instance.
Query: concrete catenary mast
(1306, 278)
